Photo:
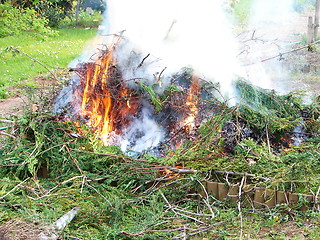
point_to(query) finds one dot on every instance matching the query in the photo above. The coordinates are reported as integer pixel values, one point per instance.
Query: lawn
(54, 53)
(242, 11)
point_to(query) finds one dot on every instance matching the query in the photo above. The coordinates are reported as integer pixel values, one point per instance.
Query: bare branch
(19, 185)
(7, 134)
(6, 121)
(143, 60)
(244, 174)
(284, 53)
(37, 61)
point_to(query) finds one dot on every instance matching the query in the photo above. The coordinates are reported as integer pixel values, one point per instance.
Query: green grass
(85, 20)
(54, 53)
(242, 11)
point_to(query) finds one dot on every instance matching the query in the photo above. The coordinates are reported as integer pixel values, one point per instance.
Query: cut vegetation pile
(49, 166)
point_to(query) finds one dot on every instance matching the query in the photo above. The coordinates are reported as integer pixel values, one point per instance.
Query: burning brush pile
(143, 117)
(126, 134)
(131, 113)
(123, 150)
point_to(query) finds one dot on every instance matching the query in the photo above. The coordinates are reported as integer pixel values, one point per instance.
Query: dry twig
(143, 60)
(239, 205)
(280, 55)
(6, 121)
(181, 214)
(19, 185)
(244, 174)
(37, 61)
(7, 134)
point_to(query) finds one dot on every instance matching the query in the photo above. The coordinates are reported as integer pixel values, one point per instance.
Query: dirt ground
(24, 99)
(12, 106)
(289, 229)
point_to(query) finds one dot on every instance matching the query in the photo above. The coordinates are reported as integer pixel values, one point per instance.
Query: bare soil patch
(289, 229)
(12, 106)
(26, 98)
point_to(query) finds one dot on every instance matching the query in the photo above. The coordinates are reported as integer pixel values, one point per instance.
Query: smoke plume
(270, 32)
(176, 34)
(159, 38)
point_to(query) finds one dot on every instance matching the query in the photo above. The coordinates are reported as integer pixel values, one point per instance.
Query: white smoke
(270, 29)
(142, 134)
(180, 33)
(271, 11)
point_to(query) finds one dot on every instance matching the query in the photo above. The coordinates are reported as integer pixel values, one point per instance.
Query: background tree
(98, 5)
(16, 20)
(57, 10)
(316, 20)
(53, 10)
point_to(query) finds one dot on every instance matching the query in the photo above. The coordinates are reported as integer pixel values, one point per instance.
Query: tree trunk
(316, 20)
(310, 30)
(77, 12)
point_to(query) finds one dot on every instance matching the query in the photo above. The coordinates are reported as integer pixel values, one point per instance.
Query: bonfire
(136, 150)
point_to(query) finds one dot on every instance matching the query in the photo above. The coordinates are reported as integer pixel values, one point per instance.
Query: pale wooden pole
(316, 20)
(310, 30)
(77, 12)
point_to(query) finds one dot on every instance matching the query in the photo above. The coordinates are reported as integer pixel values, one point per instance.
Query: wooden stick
(14, 188)
(316, 20)
(268, 140)
(134, 234)
(7, 134)
(182, 171)
(100, 154)
(244, 174)
(239, 205)
(14, 165)
(37, 61)
(181, 214)
(152, 169)
(6, 121)
(310, 30)
(284, 53)
(142, 232)
(192, 213)
(204, 229)
(159, 77)
(170, 28)
(143, 60)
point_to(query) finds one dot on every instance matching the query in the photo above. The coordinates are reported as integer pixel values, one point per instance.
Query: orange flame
(170, 172)
(105, 101)
(96, 106)
(192, 102)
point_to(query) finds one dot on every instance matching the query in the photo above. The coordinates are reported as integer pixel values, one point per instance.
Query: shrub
(14, 21)
(98, 5)
(85, 20)
(55, 12)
